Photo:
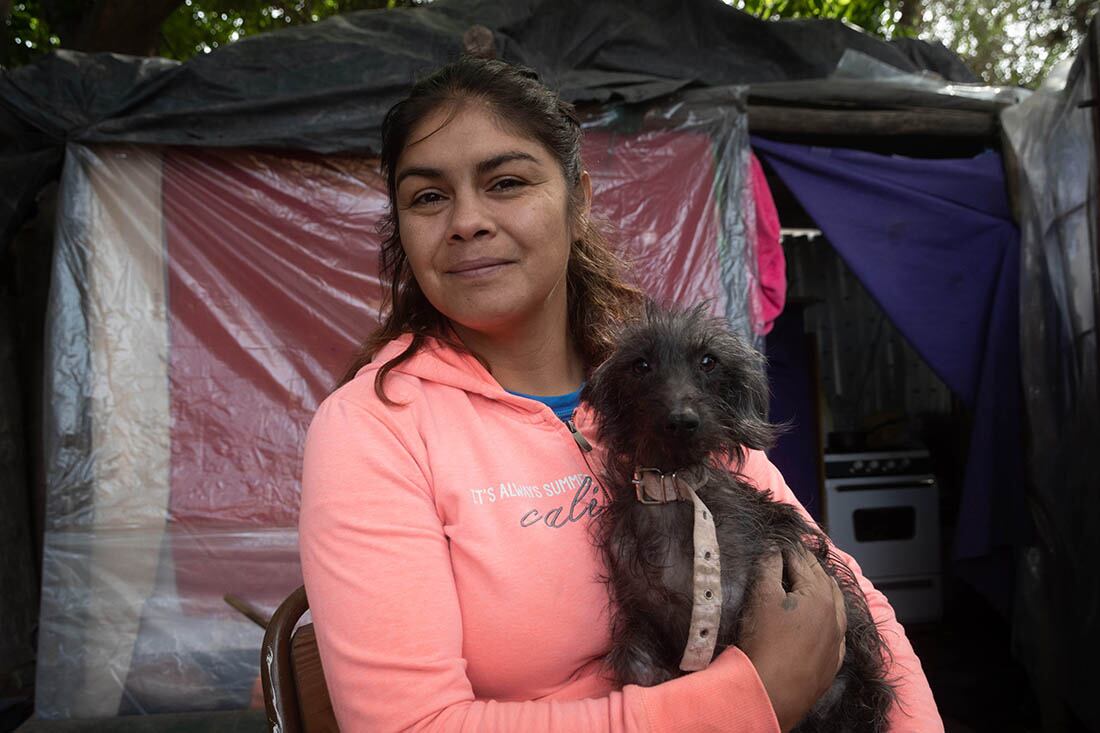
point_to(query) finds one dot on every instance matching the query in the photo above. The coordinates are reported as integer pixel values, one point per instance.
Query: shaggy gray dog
(683, 394)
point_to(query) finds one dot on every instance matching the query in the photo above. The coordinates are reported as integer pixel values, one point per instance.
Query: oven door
(890, 525)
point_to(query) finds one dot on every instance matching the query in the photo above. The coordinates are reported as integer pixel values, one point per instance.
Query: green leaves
(194, 27)
(867, 14)
(200, 26)
(25, 35)
(1014, 42)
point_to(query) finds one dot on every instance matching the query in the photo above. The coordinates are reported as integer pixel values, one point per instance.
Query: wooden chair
(295, 694)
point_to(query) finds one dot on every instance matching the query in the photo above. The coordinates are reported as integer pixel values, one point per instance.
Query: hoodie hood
(438, 362)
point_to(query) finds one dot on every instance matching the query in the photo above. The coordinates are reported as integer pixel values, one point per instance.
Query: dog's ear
(594, 384)
(746, 389)
(756, 382)
(600, 384)
(757, 432)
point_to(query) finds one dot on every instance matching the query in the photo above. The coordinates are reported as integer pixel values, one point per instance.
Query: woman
(445, 508)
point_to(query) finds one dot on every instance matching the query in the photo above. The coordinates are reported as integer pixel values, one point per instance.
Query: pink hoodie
(453, 582)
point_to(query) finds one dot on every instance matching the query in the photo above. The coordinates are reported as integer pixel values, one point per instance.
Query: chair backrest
(295, 693)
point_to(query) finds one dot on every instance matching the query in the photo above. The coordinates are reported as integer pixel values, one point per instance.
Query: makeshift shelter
(215, 262)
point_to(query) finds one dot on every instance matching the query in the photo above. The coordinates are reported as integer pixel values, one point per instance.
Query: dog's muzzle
(654, 487)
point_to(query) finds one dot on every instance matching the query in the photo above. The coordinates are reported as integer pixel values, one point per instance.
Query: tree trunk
(121, 26)
(5, 36)
(910, 14)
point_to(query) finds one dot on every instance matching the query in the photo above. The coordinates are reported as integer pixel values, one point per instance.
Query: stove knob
(872, 466)
(856, 467)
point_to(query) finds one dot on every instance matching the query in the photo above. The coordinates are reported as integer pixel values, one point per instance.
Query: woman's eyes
(498, 186)
(502, 185)
(506, 184)
(428, 197)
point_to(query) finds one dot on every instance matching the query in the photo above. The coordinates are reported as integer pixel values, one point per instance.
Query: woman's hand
(795, 638)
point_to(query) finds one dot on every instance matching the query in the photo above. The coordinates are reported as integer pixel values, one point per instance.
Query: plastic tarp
(204, 302)
(1053, 136)
(324, 87)
(861, 81)
(934, 243)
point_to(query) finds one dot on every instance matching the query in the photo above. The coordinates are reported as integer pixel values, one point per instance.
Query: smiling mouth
(478, 268)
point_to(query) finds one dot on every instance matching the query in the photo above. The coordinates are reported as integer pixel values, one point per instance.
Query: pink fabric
(771, 291)
(452, 579)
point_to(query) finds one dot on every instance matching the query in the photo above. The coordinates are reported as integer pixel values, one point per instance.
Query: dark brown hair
(599, 300)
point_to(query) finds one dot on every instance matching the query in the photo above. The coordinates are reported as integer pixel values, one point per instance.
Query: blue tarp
(934, 243)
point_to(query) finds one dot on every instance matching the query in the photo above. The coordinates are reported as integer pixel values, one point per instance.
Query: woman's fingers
(795, 624)
(771, 577)
(841, 611)
(807, 575)
(841, 621)
(800, 571)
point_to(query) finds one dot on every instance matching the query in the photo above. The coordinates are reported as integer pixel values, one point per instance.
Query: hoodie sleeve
(916, 710)
(378, 574)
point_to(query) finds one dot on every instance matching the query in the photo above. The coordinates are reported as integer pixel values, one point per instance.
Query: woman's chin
(492, 322)
(498, 316)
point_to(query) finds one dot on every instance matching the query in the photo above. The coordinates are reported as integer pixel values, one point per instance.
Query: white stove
(882, 508)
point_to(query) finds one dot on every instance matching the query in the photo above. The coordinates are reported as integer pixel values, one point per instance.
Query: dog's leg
(637, 661)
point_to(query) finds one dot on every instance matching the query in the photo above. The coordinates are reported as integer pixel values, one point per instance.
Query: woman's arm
(916, 710)
(386, 611)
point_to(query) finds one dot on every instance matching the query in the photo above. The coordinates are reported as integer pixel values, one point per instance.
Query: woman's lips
(478, 268)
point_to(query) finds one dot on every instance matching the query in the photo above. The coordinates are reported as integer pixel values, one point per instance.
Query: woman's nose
(469, 219)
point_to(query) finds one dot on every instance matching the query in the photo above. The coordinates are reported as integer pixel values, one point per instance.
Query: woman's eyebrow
(498, 160)
(482, 168)
(422, 172)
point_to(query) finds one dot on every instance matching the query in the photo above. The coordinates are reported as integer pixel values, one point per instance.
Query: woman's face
(484, 219)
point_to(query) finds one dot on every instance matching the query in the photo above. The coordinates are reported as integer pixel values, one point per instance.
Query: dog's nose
(683, 421)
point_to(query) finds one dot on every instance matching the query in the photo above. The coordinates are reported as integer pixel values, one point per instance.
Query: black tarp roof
(324, 87)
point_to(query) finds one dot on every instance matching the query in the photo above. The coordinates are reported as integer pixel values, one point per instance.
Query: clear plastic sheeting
(204, 302)
(860, 66)
(134, 622)
(1053, 135)
(861, 81)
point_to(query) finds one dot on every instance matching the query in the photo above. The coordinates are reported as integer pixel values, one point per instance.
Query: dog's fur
(679, 391)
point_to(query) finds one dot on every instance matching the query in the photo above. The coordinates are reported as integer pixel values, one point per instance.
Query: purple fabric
(794, 404)
(934, 243)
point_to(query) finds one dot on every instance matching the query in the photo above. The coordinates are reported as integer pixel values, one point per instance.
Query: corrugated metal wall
(870, 374)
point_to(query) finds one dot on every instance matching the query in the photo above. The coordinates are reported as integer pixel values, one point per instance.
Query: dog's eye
(641, 366)
(708, 362)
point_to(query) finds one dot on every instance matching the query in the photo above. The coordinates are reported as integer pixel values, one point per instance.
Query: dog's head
(678, 389)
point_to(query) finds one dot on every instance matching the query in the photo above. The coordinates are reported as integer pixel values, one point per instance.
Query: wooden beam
(828, 122)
